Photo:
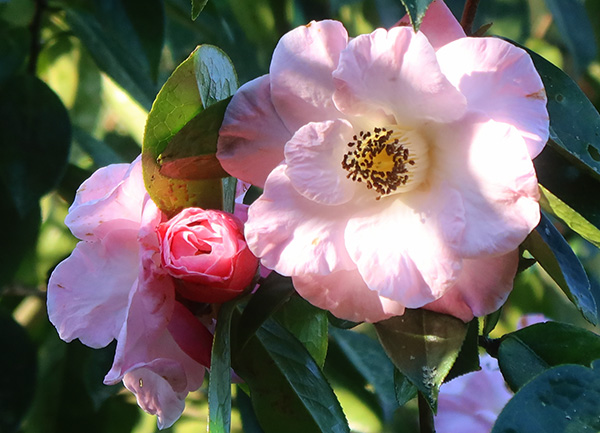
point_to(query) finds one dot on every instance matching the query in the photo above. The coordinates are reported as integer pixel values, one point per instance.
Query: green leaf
(525, 353)
(550, 203)
(124, 43)
(178, 102)
(215, 75)
(273, 292)
(288, 390)
(416, 11)
(308, 324)
(197, 6)
(35, 133)
(371, 362)
(562, 399)
(574, 25)
(219, 385)
(423, 345)
(468, 357)
(13, 50)
(554, 254)
(405, 390)
(18, 381)
(574, 121)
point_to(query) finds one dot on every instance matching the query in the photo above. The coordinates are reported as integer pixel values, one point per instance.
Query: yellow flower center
(387, 160)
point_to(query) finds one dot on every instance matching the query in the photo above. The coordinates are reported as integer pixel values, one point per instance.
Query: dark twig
(425, 415)
(35, 28)
(468, 16)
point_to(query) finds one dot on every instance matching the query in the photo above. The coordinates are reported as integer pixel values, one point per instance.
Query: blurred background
(100, 64)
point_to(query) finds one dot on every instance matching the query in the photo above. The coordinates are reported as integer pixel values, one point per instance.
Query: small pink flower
(206, 250)
(471, 403)
(114, 287)
(395, 166)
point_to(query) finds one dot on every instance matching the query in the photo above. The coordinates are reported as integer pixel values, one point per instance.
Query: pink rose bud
(206, 251)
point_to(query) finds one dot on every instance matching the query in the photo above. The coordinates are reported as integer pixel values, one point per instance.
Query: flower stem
(425, 416)
(468, 16)
(35, 27)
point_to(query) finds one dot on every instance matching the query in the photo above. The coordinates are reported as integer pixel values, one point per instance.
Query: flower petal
(293, 235)
(404, 246)
(488, 163)
(88, 292)
(314, 162)
(499, 80)
(482, 288)
(395, 71)
(346, 295)
(300, 72)
(439, 25)
(110, 199)
(252, 135)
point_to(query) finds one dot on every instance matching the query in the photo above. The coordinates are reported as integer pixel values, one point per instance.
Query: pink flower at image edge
(395, 166)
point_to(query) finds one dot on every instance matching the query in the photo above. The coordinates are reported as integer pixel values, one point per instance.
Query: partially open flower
(206, 250)
(396, 166)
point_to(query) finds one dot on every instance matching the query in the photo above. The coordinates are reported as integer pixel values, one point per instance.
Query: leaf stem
(35, 27)
(426, 424)
(468, 16)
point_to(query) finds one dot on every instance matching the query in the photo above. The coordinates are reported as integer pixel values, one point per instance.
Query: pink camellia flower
(471, 403)
(114, 287)
(207, 251)
(396, 166)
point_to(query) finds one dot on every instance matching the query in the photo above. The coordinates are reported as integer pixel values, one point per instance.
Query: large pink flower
(396, 166)
(113, 287)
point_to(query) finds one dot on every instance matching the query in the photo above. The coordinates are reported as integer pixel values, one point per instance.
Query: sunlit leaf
(416, 11)
(18, 364)
(574, 25)
(423, 345)
(562, 399)
(525, 353)
(219, 386)
(554, 254)
(577, 223)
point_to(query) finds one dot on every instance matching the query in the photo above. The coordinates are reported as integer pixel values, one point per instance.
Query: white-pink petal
(252, 135)
(88, 293)
(314, 162)
(500, 81)
(488, 163)
(404, 246)
(395, 71)
(347, 296)
(293, 235)
(300, 72)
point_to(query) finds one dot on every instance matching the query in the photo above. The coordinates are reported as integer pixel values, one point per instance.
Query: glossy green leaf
(404, 388)
(197, 6)
(550, 203)
(423, 345)
(554, 254)
(525, 353)
(288, 390)
(18, 364)
(273, 292)
(250, 423)
(215, 75)
(219, 385)
(574, 121)
(416, 11)
(178, 102)
(371, 362)
(124, 43)
(562, 399)
(468, 357)
(574, 25)
(35, 133)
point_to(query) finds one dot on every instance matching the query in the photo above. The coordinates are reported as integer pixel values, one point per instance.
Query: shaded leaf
(14, 43)
(554, 254)
(550, 203)
(525, 353)
(563, 398)
(197, 6)
(423, 345)
(574, 25)
(35, 134)
(18, 380)
(416, 11)
(405, 390)
(219, 385)
(468, 357)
